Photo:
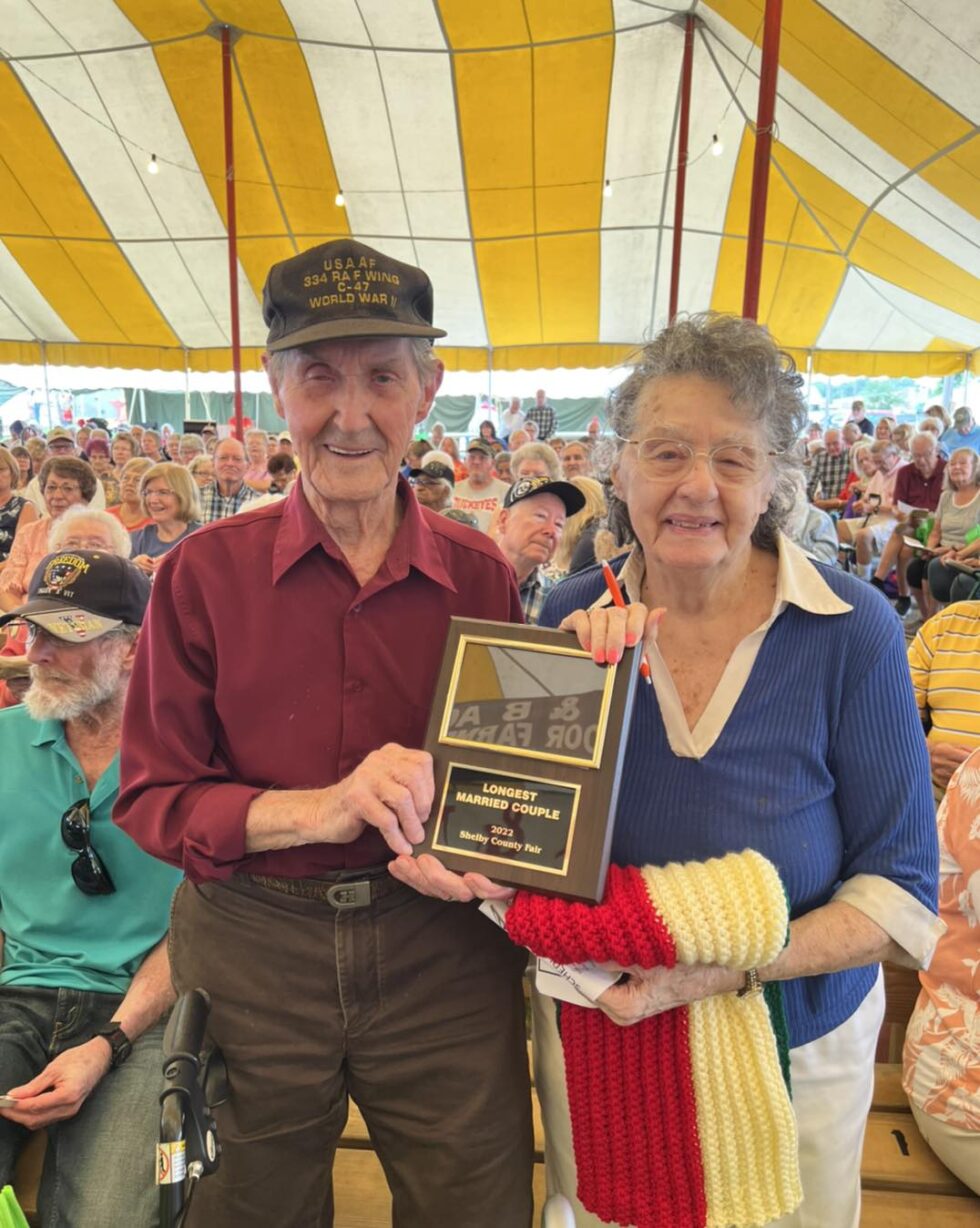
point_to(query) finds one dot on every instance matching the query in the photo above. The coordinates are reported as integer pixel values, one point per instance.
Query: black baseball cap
(527, 488)
(435, 469)
(79, 595)
(345, 289)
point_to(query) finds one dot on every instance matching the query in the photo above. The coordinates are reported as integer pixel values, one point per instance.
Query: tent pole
(187, 386)
(763, 148)
(682, 158)
(236, 344)
(47, 391)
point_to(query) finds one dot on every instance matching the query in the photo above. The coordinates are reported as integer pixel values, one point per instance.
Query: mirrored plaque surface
(527, 735)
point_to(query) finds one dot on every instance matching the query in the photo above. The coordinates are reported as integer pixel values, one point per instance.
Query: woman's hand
(606, 631)
(146, 565)
(651, 991)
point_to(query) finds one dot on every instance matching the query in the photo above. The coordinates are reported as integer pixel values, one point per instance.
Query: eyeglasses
(730, 464)
(66, 488)
(88, 869)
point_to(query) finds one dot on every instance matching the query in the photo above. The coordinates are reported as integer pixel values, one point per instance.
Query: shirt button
(355, 609)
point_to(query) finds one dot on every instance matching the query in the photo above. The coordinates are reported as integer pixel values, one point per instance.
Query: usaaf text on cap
(345, 289)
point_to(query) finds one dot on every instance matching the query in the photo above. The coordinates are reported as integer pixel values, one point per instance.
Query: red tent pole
(682, 157)
(763, 148)
(236, 343)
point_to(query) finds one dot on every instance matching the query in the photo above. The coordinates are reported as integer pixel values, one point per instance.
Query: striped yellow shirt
(944, 659)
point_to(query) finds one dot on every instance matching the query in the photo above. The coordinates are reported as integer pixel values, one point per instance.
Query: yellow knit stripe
(745, 1121)
(728, 910)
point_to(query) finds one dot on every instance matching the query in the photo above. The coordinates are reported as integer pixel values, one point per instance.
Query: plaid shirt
(828, 473)
(546, 419)
(215, 506)
(533, 592)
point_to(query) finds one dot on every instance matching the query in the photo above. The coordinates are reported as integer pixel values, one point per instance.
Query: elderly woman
(97, 454)
(15, 510)
(170, 499)
(122, 449)
(201, 469)
(25, 465)
(874, 515)
(257, 451)
(576, 550)
(189, 446)
(957, 517)
(129, 510)
(64, 481)
(884, 429)
(776, 681)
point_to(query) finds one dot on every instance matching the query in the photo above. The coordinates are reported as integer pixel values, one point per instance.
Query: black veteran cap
(435, 469)
(527, 488)
(78, 595)
(344, 289)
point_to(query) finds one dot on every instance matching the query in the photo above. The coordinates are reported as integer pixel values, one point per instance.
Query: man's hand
(651, 991)
(430, 877)
(62, 1087)
(945, 758)
(392, 790)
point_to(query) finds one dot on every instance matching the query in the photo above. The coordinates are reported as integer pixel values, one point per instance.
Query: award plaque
(527, 735)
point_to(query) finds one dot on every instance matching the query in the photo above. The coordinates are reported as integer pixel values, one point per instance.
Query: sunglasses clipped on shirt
(88, 869)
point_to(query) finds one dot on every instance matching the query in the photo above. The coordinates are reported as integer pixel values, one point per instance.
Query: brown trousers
(411, 1006)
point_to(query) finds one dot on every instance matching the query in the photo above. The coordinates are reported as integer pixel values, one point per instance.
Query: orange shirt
(941, 1073)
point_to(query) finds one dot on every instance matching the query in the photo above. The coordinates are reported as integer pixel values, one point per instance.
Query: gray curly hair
(763, 382)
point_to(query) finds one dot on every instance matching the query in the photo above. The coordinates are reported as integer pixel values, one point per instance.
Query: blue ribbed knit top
(821, 766)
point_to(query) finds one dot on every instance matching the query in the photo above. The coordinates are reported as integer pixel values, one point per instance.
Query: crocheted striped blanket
(682, 1120)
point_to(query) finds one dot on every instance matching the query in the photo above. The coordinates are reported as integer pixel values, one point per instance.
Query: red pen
(617, 595)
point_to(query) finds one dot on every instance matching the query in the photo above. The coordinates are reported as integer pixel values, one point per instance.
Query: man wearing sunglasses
(84, 974)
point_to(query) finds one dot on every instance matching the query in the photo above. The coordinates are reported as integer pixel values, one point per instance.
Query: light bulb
(338, 200)
(607, 189)
(716, 146)
(152, 167)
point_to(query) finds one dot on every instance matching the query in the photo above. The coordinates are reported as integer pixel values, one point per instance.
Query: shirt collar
(798, 582)
(48, 732)
(415, 543)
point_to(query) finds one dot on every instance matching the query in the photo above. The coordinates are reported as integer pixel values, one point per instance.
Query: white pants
(833, 1083)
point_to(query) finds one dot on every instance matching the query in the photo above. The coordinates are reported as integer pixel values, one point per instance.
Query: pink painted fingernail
(613, 657)
(600, 656)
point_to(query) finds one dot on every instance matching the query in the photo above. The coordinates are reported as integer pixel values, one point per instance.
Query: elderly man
(576, 461)
(433, 481)
(228, 493)
(860, 419)
(529, 532)
(85, 977)
(964, 433)
(828, 473)
(543, 415)
(918, 486)
(483, 492)
(330, 977)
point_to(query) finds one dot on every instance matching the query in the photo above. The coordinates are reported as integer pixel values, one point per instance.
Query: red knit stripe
(625, 928)
(634, 1122)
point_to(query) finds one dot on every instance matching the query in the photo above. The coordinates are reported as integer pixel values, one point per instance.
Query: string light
(716, 146)
(607, 189)
(152, 167)
(338, 200)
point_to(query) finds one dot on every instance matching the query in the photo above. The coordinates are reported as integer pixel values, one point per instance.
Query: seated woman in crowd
(97, 454)
(170, 499)
(282, 473)
(122, 449)
(15, 510)
(129, 510)
(201, 469)
(874, 514)
(900, 438)
(488, 433)
(257, 451)
(930, 577)
(576, 550)
(810, 527)
(941, 1062)
(884, 429)
(64, 481)
(189, 446)
(24, 464)
(460, 470)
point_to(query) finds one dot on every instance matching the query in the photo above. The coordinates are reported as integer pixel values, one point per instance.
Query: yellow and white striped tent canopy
(474, 137)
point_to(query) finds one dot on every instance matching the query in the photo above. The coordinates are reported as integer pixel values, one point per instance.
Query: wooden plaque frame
(528, 802)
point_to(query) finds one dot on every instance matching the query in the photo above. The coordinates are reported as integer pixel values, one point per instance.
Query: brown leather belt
(346, 889)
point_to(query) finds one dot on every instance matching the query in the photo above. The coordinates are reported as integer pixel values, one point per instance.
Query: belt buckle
(350, 895)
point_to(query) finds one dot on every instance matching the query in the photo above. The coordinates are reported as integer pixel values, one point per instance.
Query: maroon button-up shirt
(915, 490)
(263, 664)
